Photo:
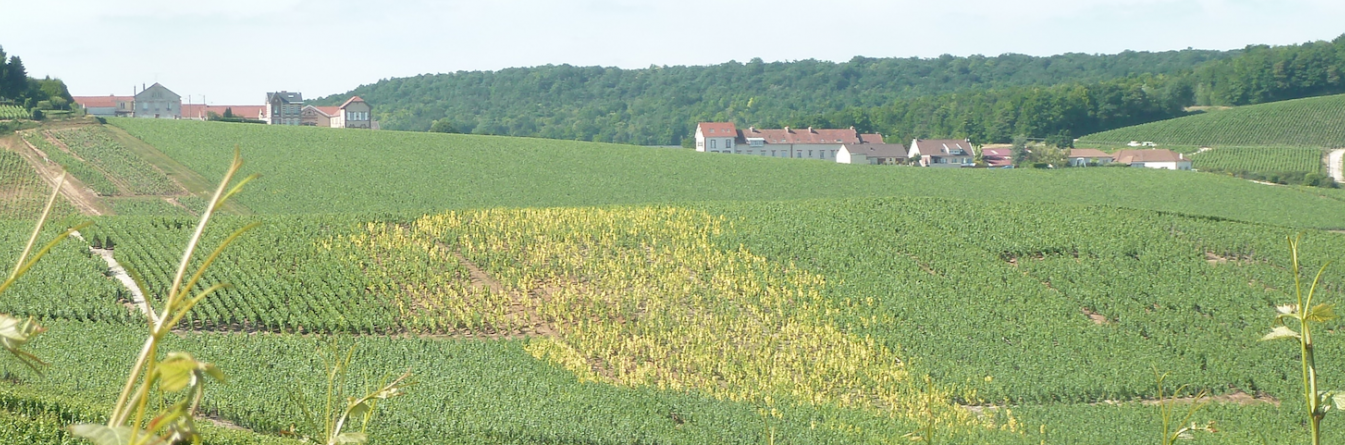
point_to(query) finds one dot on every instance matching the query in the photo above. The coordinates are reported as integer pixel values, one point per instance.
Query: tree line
(19, 89)
(661, 105)
(987, 99)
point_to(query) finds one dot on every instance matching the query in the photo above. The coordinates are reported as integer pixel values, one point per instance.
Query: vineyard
(90, 176)
(22, 192)
(314, 170)
(1266, 160)
(1317, 122)
(833, 309)
(95, 145)
(13, 112)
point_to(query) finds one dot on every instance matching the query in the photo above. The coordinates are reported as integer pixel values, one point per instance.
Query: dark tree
(442, 126)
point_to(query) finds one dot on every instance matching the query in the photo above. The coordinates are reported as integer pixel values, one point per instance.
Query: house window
(729, 142)
(772, 153)
(713, 145)
(810, 153)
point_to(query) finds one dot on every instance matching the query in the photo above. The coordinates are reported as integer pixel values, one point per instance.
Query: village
(848, 146)
(280, 108)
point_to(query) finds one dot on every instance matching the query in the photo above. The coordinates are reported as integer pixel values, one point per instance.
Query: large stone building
(157, 102)
(810, 143)
(283, 108)
(154, 102)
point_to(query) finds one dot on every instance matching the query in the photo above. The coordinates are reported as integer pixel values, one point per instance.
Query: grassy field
(361, 171)
(1317, 122)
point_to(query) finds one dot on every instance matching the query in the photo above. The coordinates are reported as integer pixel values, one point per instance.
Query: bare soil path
(1333, 166)
(119, 273)
(74, 191)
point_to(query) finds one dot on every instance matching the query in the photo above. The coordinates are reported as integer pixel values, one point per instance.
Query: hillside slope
(316, 170)
(1313, 122)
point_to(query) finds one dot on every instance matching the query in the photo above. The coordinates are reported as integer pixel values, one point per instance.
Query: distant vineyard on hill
(1313, 122)
(350, 171)
(1257, 159)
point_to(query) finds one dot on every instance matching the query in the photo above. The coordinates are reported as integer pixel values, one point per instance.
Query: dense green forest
(660, 105)
(987, 99)
(17, 88)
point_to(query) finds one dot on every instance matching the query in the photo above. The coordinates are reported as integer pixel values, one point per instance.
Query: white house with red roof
(810, 143)
(354, 113)
(109, 105)
(952, 153)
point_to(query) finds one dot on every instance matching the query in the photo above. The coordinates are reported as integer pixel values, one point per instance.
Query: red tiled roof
(873, 138)
(718, 129)
(108, 101)
(1087, 153)
(877, 150)
(804, 136)
(199, 111)
(349, 101)
(328, 111)
(942, 147)
(1154, 155)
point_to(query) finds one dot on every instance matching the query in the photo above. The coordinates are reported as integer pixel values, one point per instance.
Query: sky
(233, 52)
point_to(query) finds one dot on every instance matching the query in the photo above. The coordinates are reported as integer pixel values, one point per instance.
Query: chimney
(787, 130)
(752, 129)
(810, 130)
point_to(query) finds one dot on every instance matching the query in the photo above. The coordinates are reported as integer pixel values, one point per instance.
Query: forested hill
(986, 99)
(660, 105)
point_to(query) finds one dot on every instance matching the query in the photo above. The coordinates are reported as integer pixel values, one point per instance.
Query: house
(157, 102)
(1153, 158)
(111, 106)
(354, 113)
(314, 116)
(997, 157)
(283, 108)
(824, 144)
(201, 112)
(954, 153)
(877, 154)
(1083, 157)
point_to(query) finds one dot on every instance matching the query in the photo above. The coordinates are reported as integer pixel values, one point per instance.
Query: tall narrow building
(284, 108)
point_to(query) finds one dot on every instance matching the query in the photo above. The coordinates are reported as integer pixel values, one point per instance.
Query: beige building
(313, 116)
(354, 113)
(823, 144)
(157, 102)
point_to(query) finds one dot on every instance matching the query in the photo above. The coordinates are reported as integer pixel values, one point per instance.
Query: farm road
(1333, 164)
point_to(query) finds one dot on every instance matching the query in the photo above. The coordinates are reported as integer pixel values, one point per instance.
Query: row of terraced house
(280, 108)
(848, 146)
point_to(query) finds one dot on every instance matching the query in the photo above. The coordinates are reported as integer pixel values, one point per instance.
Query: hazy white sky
(236, 50)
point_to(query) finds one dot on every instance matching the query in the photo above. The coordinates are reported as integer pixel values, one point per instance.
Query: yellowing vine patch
(639, 296)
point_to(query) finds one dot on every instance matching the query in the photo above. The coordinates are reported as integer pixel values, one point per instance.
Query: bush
(37, 115)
